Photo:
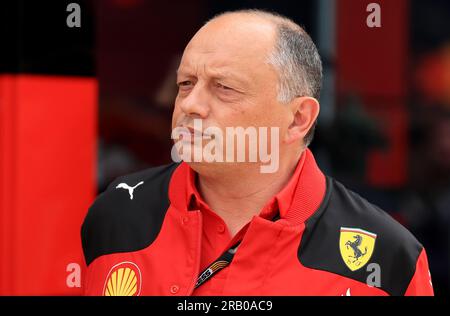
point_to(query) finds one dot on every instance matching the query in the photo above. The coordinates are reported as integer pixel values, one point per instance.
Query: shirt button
(221, 229)
(185, 219)
(174, 289)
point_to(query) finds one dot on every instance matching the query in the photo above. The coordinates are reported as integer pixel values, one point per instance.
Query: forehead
(229, 46)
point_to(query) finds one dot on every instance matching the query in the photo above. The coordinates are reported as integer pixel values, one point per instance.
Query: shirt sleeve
(421, 284)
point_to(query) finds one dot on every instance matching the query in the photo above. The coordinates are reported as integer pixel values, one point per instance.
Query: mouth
(194, 133)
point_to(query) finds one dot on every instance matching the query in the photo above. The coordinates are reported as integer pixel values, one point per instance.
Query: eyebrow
(216, 74)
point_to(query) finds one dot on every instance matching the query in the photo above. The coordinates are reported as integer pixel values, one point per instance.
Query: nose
(196, 104)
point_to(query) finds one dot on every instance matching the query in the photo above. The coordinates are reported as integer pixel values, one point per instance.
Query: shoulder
(351, 208)
(348, 233)
(128, 215)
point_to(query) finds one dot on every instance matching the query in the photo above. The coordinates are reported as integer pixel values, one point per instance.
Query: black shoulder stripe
(396, 250)
(123, 220)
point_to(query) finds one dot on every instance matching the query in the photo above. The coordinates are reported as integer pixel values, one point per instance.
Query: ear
(305, 111)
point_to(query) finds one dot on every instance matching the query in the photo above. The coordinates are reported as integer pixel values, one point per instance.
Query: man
(206, 227)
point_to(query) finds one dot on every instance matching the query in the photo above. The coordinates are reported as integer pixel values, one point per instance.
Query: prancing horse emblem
(356, 247)
(357, 253)
(127, 187)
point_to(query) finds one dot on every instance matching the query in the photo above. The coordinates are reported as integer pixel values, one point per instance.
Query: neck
(238, 196)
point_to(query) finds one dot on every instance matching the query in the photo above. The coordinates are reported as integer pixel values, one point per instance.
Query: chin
(208, 167)
(218, 168)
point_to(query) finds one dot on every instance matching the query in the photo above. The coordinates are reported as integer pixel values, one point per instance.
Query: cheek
(265, 114)
(242, 116)
(245, 115)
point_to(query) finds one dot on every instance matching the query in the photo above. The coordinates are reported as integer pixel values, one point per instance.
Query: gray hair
(295, 58)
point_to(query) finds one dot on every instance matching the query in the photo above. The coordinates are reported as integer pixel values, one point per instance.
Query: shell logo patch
(124, 279)
(356, 246)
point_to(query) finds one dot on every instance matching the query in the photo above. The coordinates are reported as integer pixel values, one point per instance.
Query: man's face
(224, 78)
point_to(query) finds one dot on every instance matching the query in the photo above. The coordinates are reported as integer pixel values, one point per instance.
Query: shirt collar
(297, 201)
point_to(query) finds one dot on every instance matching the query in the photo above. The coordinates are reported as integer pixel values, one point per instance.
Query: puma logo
(127, 187)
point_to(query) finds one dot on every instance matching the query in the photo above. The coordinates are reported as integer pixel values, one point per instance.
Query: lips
(194, 133)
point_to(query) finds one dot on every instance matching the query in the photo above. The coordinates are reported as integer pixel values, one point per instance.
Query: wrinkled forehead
(230, 43)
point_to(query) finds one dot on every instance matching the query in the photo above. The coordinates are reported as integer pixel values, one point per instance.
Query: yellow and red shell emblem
(124, 279)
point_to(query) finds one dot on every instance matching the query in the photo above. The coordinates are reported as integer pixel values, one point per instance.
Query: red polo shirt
(215, 235)
(328, 241)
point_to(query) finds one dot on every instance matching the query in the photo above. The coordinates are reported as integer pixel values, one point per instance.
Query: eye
(221, 86)
(184, 83)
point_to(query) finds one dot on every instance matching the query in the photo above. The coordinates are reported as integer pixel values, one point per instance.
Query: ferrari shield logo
(356, 247)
